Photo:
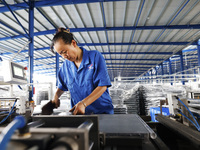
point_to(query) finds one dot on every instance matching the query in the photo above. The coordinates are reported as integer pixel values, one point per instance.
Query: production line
(128, 128)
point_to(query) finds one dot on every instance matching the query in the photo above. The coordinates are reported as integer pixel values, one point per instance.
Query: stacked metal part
(153, 95)
(131, 100)
(137, 99)
(116, 96)
(142, 103)
(125, 98)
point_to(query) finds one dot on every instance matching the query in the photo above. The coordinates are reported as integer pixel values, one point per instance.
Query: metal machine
(12, 102)
(86, 132)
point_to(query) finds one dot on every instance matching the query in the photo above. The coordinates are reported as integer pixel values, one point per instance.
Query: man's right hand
(56, 102)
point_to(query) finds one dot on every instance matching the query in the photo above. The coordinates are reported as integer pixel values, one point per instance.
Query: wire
(189, 120)
(4, 119)
(188, 111)
(18, 122)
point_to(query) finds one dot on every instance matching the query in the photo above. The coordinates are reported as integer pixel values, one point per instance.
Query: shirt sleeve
(101, 77)
(60, 80)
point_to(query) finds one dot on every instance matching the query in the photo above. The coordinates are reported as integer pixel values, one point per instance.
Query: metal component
(120, 125)
(173, 104)
(193, 101)
(91, 146)
(189, 133)
(66, 143)
(42, 137)
(86, 125)
(35, 124)
(152, 134)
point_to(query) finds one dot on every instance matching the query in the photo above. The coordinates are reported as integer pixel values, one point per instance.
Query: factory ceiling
(134, 36)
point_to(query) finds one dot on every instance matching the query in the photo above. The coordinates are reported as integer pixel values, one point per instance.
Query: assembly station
(99, 74)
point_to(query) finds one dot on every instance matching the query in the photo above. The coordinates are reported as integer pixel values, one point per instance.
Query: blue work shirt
(91, 73)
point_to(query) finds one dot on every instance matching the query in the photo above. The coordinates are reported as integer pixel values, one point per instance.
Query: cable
(188, 110)
(4, 119)
(18, 122)
(189, 120)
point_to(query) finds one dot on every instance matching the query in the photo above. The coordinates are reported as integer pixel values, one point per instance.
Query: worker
(84, 74)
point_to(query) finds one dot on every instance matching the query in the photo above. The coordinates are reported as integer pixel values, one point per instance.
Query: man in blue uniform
(84, 74)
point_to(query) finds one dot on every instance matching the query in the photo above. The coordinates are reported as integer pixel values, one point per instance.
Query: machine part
(16, 146)
(102, 138)
(173, 104)
(81, 121)
(188, 133)
(50, 138)
(186, 113)
(64, 143)
(194, 110)
(189, 112)
(11, 111)
(193, 101)
(86, 125)
(21, 105)
(152, 134)
(194, 105)
(35, 124)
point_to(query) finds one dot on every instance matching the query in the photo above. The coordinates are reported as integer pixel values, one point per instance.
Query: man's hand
(78, 109)
(56, 102)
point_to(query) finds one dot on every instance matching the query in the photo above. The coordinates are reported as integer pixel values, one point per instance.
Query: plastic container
(156, 110)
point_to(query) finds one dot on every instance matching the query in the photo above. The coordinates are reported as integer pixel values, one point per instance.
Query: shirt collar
(85, 59)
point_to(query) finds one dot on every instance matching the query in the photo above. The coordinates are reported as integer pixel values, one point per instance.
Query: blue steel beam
(198, 52)
(45, 3)
(197, 26)
(31, 45)
(104, 53)
(134, 67)
(110, 59)
(139, 43)
(140, 53)
(111, 29)
(145, 64)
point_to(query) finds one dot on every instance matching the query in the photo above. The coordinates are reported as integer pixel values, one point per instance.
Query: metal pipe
(86, 125)
(194, 105)
(152, 134)
(193, 101)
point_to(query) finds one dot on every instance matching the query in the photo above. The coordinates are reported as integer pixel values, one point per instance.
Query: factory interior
(151, 50)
